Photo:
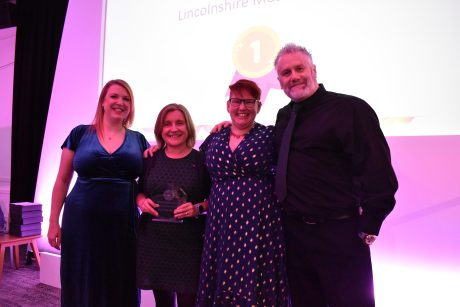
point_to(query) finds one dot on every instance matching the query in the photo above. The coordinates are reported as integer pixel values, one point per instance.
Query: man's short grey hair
(291, 48)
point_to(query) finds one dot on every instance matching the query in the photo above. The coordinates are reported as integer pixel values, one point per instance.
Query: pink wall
(75, 92)
(424, 227)
(7, 44)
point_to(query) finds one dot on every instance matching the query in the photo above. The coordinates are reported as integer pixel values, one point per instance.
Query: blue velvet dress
(98, 226)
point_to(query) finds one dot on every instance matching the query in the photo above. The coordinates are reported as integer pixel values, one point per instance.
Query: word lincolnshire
(223, 7)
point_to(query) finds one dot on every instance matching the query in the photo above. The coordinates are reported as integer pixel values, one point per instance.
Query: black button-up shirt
(339, 160)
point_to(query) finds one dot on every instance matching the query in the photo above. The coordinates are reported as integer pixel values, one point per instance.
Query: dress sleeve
(148, 164)
(205, 144)
(143, 141)
(73, 139)
(204, 175)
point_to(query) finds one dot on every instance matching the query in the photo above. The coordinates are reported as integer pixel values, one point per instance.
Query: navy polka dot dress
(243, 256)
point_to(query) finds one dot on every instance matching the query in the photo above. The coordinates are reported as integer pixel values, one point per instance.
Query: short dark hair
(248, 85)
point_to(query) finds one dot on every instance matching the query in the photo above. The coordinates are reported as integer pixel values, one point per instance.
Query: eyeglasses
(248, 103)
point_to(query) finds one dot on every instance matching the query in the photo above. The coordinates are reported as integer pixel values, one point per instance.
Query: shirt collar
(313, 99)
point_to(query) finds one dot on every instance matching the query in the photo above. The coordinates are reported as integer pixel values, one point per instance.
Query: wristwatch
(200, 208)
(367, 238)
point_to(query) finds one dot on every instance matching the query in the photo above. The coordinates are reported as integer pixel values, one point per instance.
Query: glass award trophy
(171, 198)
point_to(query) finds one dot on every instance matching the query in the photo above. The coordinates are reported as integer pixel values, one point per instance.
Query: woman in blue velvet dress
(98, 225)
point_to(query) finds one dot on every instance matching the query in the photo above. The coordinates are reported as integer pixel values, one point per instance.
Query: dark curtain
(38, 37)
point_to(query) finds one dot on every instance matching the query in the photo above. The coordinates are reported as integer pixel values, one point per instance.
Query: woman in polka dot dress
(243, 256)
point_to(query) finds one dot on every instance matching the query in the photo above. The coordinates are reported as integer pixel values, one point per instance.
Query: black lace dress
(169, 254)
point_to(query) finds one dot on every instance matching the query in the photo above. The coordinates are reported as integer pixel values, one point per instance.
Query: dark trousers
(328, 265)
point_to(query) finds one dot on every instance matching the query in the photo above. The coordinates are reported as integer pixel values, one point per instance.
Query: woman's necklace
(238, 136)
(113, 135)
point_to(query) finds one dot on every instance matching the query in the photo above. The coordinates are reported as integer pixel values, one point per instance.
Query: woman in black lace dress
(170, 239)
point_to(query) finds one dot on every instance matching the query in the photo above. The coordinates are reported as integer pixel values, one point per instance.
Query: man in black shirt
(338, 188)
